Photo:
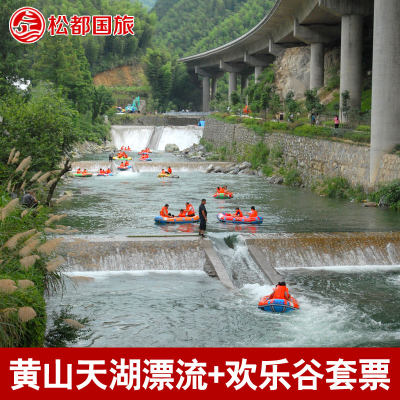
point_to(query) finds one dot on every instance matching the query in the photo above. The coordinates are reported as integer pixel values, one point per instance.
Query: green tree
(292, 106)
(43, 125)
(11, 64)
(102, 101)
(312, 103)
(62, 61)
(159, 74)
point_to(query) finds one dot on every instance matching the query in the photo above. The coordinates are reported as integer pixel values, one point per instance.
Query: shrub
(334, 188)
(61, 333)
(389, 195)
(258, 155)
(312, 131)
(267, 170)
(363, 128)
(292, 177)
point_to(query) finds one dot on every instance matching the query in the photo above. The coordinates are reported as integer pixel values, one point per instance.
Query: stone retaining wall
(156, 120)
(315, 157)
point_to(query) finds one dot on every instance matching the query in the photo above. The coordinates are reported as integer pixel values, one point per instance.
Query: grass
(338, 188)
(301, 127)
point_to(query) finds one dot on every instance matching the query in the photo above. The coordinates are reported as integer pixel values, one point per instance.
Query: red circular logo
(27, 25)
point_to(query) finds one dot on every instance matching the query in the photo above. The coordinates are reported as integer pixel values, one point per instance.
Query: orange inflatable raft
(278, 305)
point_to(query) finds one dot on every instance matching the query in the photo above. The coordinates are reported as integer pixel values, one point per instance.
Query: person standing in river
(203, 217)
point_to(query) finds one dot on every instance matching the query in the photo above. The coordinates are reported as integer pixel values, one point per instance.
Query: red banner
(121, 373)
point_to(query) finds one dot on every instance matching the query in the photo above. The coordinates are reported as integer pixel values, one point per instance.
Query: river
(340, 305)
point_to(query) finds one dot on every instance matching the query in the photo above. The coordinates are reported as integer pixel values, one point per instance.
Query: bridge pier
(351, 60)
(257, 72)
(317, 66)
(232, 84)
(385, 122)
(206, 94)
(214, 83)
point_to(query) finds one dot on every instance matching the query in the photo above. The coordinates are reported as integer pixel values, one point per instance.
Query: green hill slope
(188, 26)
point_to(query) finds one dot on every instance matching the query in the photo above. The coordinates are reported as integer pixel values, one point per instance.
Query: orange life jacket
(78, 171)
(164, 212)
(84, 171)
(182, 214)
(108, 171)
(169, 170)
(126, 163)
(253, 213)
(163, 171)
(279, 292)
(238, 213)
(189, 210)
(122, 165)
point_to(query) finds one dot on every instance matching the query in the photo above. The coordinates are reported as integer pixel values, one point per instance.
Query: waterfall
(152, 253)
(139, 137)
(182, 136)
(328, 249)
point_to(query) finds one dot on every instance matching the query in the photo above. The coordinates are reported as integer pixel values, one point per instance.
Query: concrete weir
(174, 252)
(297, 250)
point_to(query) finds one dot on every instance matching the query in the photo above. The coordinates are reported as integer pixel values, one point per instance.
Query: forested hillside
(234, 25)
(105, 52)
(188, 26)
(147, 3)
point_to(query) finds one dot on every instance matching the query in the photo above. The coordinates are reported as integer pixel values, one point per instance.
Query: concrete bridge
(317, 23)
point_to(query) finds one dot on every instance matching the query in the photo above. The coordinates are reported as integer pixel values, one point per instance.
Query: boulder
(244, 165)
(171, 147)
(370, 204)
(210, 168)
(235, 171)
(217, 169)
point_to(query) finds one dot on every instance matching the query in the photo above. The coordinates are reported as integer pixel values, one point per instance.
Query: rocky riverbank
(199, 152)
(82, 148)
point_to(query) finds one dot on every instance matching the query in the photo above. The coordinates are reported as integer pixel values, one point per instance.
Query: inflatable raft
(224, 217)
(223, 195)
(105, 174)
(88, 175)
(167, 176)
(144, 159)
(176, 220)
(143, 153)
(122, 159)
(124, 168)
(278, 305)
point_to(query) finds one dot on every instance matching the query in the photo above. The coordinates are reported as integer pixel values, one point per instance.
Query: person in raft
(189, 210)
(203, 217)
(182, 213)
(84, 172)
(78, 171)
(164, 212)
(280, 292)
(126, 163)
(163, 171)
(108, 171)
(122, 165)
(169, 170)
(253, 213)
(238, 213)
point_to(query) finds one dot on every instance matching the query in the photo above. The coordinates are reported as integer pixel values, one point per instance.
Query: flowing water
(342, 305)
